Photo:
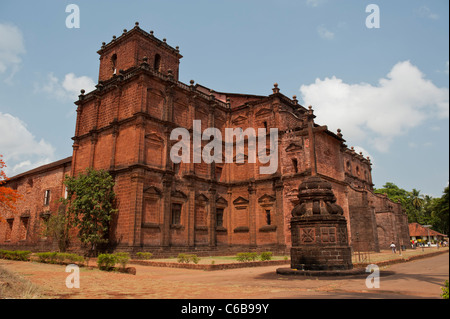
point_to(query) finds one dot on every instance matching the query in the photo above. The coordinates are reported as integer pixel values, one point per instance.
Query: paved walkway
(414, 279)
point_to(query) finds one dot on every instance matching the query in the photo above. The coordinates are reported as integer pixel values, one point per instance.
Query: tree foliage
(422, 209)
(58, 227)
(8, 196)
(90, 205)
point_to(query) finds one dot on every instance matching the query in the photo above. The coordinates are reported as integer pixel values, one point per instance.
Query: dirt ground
(414, 279)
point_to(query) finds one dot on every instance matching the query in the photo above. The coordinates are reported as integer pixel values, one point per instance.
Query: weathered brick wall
(124, 127)
(363, 231)
(392, 222)
(24, 229)
(129, 50)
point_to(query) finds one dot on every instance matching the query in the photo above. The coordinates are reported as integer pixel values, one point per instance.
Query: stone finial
(192, 82)
(124, 30)
(114, 37)
(145, 59)
(151, 32)
(294, 98)
(339, 134)
(164, 40)
(275, 88)
(136, 24)
(82, 91)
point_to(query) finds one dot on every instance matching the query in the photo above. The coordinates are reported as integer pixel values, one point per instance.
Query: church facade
(124, 126)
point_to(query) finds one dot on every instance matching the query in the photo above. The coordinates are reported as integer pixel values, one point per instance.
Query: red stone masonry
(124, 126)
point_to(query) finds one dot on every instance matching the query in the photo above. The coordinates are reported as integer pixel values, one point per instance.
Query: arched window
(157, 63)
(114, 64)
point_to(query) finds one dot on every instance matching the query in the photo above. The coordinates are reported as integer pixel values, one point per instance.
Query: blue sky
(386, 88)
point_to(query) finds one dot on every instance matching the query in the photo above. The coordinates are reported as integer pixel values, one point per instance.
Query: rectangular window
(295, 164)
(218, 173)
(23, 228)
(9, 227)
(219, 217)
(176, 214)
(268, 221)
(47, 197)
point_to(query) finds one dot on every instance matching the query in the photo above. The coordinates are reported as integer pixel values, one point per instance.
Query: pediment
(152, 190)
(240, 201)
(202, 198)
(154, 137)
(293, 147)
(264, 112)
(239, 119)
(179, 194)
(221, 201)
(266, 199)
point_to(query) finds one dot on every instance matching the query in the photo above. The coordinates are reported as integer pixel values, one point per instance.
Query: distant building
(418, 233)
(124, 126)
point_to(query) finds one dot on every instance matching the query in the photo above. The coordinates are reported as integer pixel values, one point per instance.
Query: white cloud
(324, 33)
(20, 149)
(67, 89)
(376, 115)
(314, 3)
(11, 48)
(73, 84)
(425, 12)
(365, 153)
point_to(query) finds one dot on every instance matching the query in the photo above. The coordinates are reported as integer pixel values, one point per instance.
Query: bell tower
(129, 49)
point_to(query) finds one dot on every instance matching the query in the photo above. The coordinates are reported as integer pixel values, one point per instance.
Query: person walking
(392, 247)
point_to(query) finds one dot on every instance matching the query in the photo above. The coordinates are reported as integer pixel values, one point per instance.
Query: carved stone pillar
(319, 229)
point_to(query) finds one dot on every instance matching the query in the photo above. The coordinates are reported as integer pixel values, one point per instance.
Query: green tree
(57, 226)
(424, 210)
(412, 201)
(416, 199)
(441, 213)
(90, 205)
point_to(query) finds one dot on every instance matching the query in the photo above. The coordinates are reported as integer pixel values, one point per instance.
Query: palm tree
(416, 199)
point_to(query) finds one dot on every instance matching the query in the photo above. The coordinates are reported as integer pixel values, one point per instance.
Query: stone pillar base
(321, 258)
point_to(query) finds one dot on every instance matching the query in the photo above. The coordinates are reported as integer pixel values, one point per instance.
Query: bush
(445, 290)
(122, 259)
(266, 256)
(244, 257)
(22, 255)
(58, 258)
(69, 258)
(187, 258)
(106, 261)
(143, 255)
(47, 257)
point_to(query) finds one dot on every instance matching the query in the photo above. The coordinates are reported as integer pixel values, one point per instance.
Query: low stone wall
(210, 266)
